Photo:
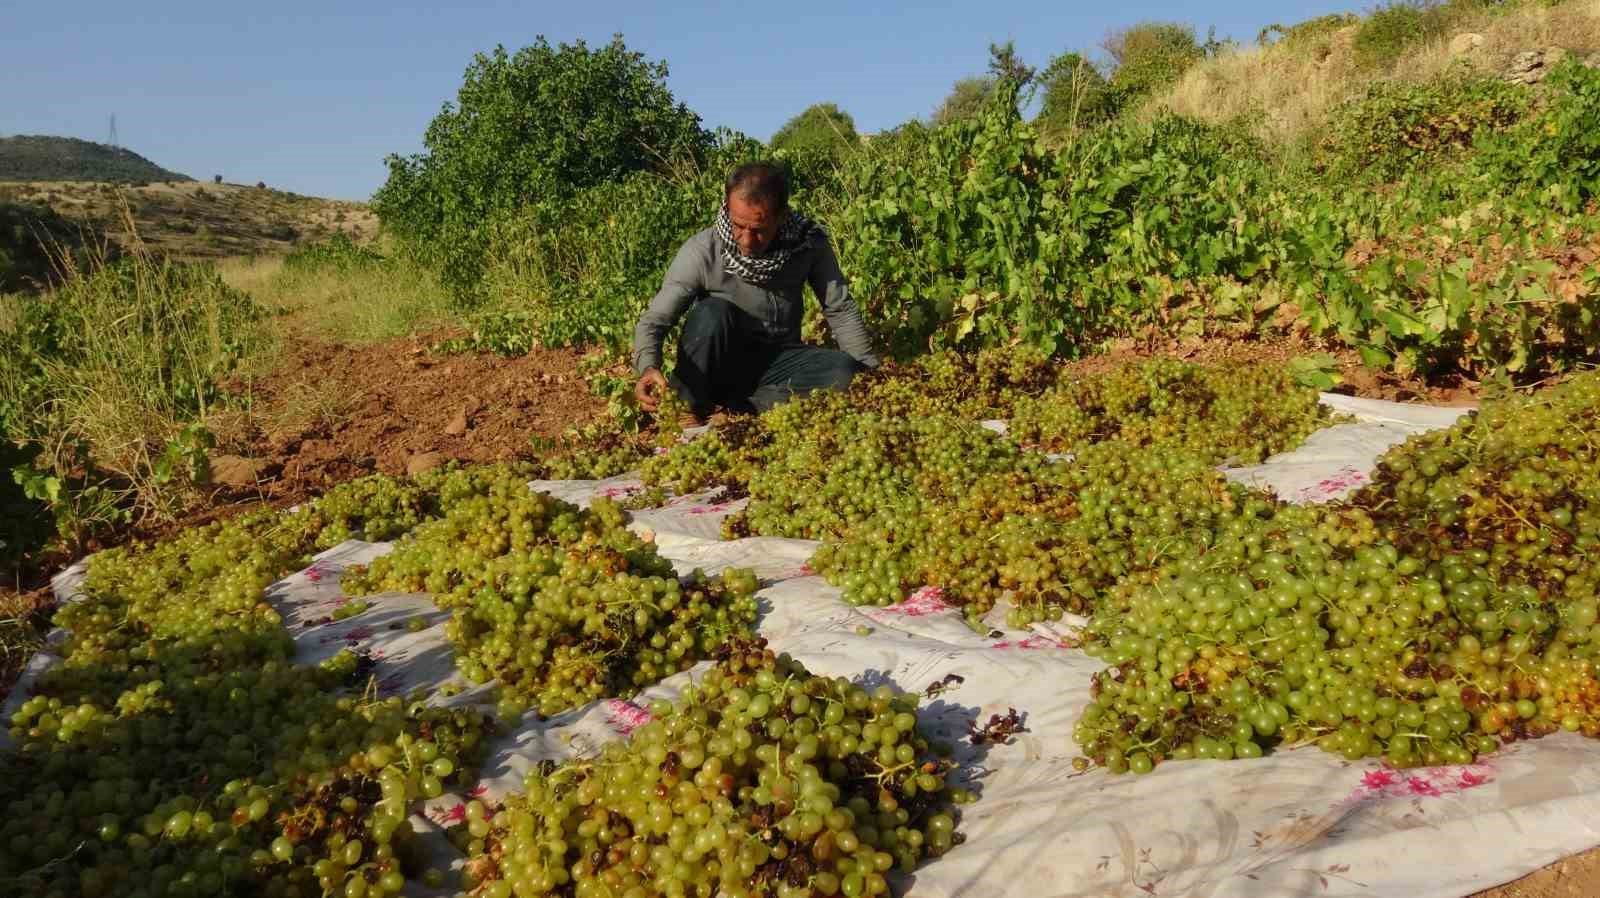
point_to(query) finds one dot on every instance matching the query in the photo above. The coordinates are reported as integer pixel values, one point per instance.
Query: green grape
(562, 606)
(681, 808)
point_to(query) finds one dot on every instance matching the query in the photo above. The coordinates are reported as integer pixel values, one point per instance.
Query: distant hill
(187, 219)
(39, 158)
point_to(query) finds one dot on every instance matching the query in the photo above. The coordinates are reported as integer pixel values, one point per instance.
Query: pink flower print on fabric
(1340, 482)
(1384, 784)
(448, 816)
(925, 601)
(625, 716)
(313, 573)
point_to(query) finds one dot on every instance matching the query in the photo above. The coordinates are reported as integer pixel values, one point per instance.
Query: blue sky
(310, 97)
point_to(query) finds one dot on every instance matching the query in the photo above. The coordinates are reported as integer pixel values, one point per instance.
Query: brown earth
(331, 413)
(1574, 877)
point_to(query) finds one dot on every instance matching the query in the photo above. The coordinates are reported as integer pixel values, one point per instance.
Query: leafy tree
(823, 129)
(1150, 56)
(1076, 95)
(966, 100)
(1005, 65)
(970, 96)
(530, 128)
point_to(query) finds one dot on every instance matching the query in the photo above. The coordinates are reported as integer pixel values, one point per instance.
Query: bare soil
(1574, 877)
(330, 413)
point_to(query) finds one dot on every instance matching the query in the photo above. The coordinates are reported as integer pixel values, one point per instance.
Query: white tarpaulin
(1297, 822)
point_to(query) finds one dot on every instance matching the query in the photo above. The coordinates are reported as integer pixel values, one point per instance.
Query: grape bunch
(900, 503)
(762, 780)
(562, 606)
(1230, 413)
(990, 383)
(1445, 608)
(176, 750)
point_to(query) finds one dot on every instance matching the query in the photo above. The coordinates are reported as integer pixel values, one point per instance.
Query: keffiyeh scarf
(795, 234)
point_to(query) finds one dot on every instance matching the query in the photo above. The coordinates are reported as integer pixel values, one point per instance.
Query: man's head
(757, 196)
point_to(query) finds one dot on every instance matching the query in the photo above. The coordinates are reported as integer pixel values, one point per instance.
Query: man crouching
(740, 281)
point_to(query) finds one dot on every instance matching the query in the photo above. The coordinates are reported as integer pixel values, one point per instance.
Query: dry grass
(1286, 92)
(353, 306)
(137, 341)
(1574, 26)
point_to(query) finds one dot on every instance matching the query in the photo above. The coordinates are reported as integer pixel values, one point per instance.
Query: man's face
(754, 224)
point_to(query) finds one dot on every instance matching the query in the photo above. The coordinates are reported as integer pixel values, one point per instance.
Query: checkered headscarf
(796, 233)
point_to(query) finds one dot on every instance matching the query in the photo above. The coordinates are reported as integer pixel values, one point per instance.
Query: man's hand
(650, 388)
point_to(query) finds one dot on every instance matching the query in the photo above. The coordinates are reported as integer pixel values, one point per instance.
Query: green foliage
(967, 99)
(1310, 35)
(1397, 126)
(41, 158)
(103, 383)
(1557, 150)
(533, 128)
(1474, 258)
(1149, 56)
(1076, 95)
(1391, 29)
(336, 253)
(823, 129)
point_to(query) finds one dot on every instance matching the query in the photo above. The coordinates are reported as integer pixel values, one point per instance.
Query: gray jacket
(698, 271)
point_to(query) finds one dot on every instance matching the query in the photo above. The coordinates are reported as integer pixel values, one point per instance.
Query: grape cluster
(990, 383)
(562, 606)
(1445, 608)
(1230, 413)
(177, 751)
(900, 503)
(762, 780)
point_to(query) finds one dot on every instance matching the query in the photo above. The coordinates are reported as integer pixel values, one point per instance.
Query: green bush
(1310, 35)
(532, 128)
(1397, 126)
(1149, 56)
(823, 129)
(1391, 29)
(1556, 151)
(966, 100)
(579, 271)
(1075, 95)
(104, 379)
(337, 253)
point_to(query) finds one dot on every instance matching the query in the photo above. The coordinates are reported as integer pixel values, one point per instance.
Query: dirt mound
(331, 413)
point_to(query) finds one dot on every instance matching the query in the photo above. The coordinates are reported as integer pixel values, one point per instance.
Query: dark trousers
(722, 360)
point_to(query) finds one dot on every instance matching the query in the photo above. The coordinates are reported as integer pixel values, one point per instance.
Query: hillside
(188, 219)
(41, 158)
(1286, 88)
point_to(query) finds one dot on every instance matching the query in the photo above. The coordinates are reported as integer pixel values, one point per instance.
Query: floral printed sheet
(1295, 823)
